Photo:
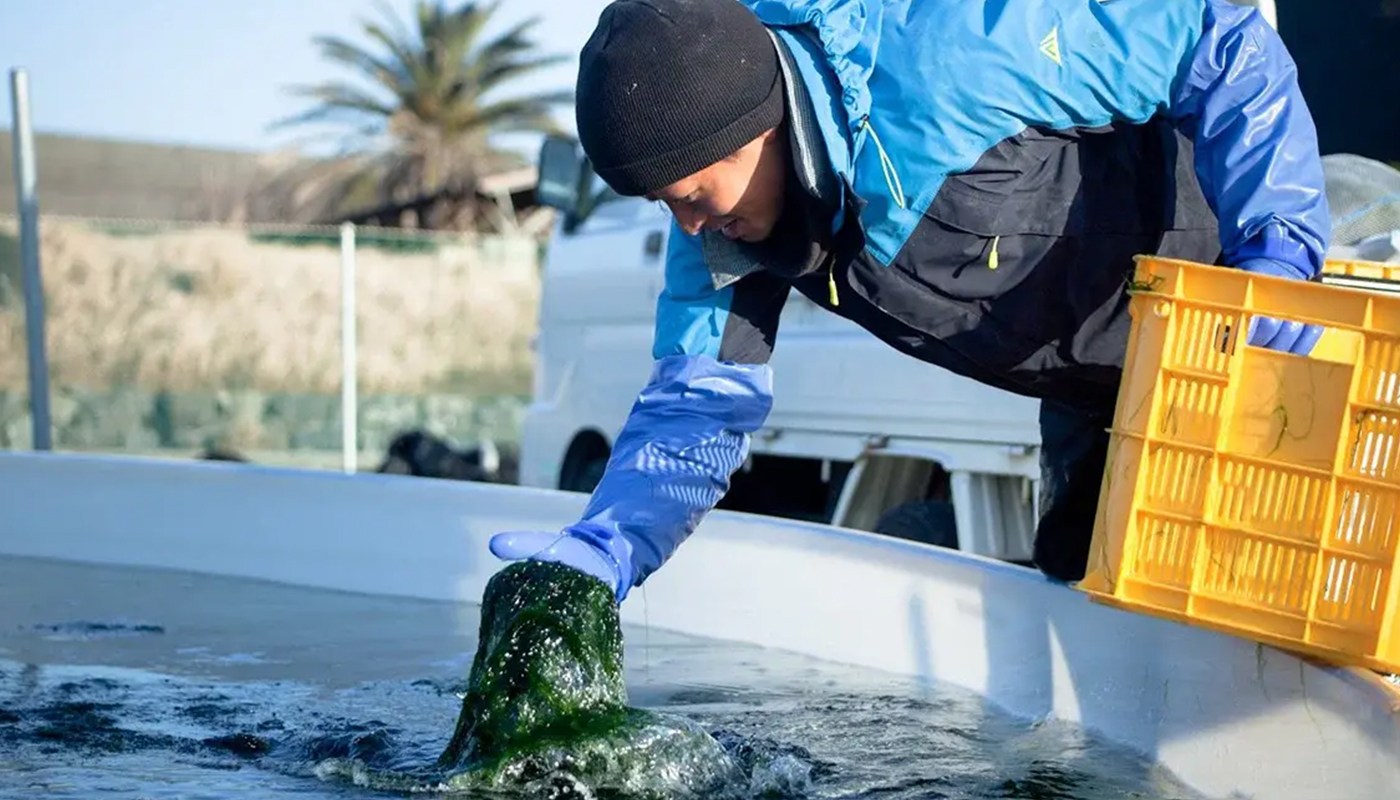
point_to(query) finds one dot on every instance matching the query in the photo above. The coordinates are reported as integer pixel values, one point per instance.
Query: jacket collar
(818, 145)
(847, 34)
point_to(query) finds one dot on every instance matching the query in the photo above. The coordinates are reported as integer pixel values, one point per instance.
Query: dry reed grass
(210, 308)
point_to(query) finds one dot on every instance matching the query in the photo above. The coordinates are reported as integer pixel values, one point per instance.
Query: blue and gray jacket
(992, 166)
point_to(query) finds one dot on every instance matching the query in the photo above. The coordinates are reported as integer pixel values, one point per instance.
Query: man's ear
(758, 143)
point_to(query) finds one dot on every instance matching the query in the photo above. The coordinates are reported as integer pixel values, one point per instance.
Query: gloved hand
(1277, 334)
(587, 547)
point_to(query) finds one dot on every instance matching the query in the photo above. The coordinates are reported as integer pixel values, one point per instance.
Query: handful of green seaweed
(546, 704)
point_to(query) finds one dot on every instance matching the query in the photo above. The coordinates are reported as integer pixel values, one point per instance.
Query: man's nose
(690, 221)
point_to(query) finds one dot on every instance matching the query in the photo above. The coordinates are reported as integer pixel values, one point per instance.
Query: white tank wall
(1230, 718)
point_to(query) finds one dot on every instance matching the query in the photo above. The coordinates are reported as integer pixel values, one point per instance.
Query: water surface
(138, 684)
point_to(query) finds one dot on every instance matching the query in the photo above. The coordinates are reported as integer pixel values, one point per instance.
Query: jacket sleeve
(690, 427)
(1256, 146)
(1222, 75)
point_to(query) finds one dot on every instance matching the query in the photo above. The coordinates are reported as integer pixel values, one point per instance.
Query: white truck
(860, 436)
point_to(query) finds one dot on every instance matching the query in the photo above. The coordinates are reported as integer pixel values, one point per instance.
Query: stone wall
(133, 419)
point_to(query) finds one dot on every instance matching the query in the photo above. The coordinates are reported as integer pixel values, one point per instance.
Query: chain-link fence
(167, 338)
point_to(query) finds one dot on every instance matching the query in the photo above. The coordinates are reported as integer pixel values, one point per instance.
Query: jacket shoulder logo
(1050, 45)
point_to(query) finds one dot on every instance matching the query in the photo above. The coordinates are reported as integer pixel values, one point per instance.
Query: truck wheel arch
(584, 461)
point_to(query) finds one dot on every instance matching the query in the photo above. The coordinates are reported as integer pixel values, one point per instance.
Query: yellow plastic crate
(1366, 270)
(1252, 491)
(1367, 275)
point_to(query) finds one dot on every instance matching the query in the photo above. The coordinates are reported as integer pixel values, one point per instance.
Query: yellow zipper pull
(831, 283)
(992, 258)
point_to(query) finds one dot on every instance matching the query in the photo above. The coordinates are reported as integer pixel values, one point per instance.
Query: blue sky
(211, 72)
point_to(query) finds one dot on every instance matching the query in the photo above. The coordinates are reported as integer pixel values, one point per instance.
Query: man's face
(740, 196)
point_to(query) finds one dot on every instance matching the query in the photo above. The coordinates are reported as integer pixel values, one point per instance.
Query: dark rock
(424, 455)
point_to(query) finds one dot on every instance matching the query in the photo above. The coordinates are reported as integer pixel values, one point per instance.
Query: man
(967, 179)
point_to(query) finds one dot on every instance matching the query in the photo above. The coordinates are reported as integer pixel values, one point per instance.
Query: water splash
(546, 701)
(59, 727)
(351, 697)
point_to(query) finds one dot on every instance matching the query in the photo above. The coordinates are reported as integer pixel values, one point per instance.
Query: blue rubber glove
(586, 546)
(1277, 334)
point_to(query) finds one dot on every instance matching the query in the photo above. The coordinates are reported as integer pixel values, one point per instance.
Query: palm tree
(422, 126)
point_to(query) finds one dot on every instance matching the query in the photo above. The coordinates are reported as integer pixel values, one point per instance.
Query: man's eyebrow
(662, 196)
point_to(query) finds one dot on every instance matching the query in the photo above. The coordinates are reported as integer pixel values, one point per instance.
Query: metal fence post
(348, 373)
(26, 187)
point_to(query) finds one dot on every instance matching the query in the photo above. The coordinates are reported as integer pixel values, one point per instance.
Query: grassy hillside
(81, 176)
(90, 177)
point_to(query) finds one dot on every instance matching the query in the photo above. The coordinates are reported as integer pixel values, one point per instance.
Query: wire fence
(190, 336)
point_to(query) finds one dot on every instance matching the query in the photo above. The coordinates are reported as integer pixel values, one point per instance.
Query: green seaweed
(546, 700)
(1152, 284)
(548, 664)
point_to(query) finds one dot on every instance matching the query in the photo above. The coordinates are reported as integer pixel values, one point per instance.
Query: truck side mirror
(558, 183)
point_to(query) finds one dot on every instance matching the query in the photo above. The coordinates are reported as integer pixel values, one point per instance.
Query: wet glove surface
(1277, 334)
(590, 548)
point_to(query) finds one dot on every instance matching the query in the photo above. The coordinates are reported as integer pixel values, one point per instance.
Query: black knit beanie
(669, 87)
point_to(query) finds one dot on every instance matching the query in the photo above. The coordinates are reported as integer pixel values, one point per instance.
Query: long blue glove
(1256, 156)
(1256, 149)
(688, 431)
(1277, 334)
(588, 547)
